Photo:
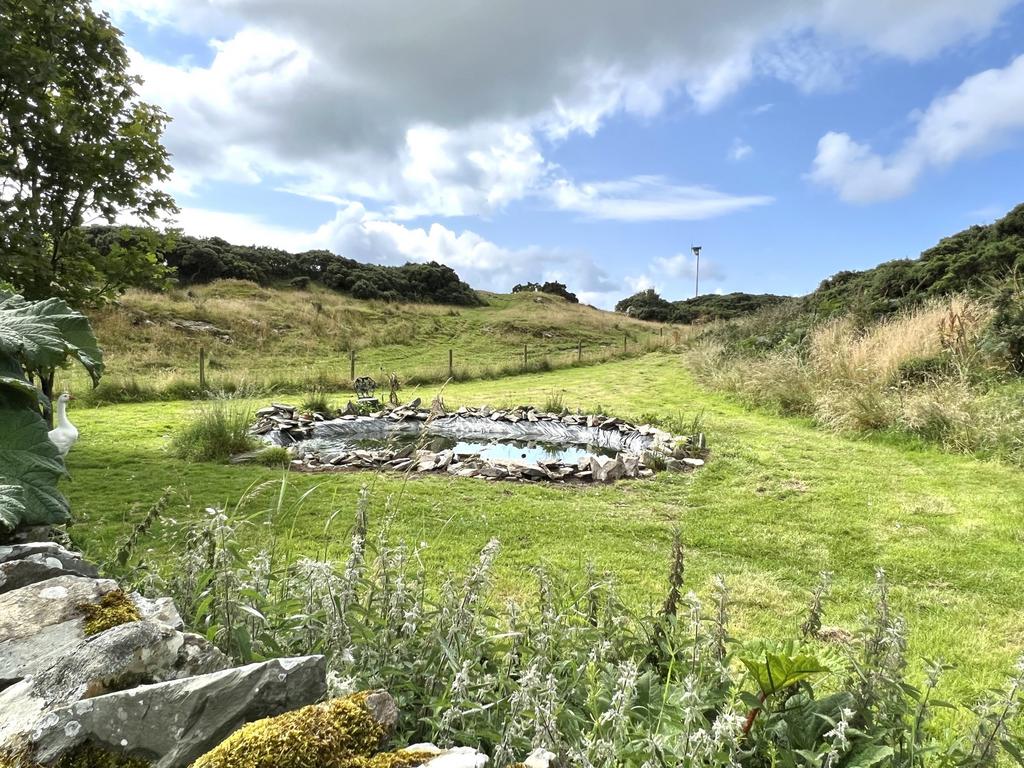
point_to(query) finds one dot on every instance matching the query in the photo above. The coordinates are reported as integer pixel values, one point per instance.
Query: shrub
(218, 429)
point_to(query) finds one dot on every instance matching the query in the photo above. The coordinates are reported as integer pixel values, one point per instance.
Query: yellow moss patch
(113, 609)
(389, 760)
(339, 733)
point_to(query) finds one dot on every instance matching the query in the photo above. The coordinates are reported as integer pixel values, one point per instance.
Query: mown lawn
(778, 502)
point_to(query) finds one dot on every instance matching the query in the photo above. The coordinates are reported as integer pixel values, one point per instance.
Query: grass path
(779, 502)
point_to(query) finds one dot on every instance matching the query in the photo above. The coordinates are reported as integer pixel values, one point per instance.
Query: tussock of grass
(925, 372)
(217, 430)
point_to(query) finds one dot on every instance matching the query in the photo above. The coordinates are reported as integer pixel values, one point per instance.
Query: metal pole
(696, 284)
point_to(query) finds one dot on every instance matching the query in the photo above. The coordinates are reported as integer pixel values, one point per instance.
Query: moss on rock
(112, 610)
(85, 755)
(340, 733)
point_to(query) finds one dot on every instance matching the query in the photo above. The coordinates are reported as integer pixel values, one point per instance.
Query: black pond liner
(474, 435)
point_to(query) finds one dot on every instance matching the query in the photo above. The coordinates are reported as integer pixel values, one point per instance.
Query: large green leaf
(775, 672)
(31, 462)
(43, 334)
(14, 383)
(12, 507)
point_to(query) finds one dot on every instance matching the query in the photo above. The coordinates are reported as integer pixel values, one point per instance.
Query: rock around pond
(510, 444)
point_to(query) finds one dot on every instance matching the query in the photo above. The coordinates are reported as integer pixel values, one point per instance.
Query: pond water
(529, 451)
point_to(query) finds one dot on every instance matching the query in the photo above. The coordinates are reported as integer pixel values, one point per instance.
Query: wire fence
(434, 365)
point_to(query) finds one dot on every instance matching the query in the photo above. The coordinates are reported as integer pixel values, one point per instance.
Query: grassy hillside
(778, 502)
(271, 338)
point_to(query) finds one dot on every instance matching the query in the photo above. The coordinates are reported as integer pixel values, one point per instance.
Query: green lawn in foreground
(778, 502)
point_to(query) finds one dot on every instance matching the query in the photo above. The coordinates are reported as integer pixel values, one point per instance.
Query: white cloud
(647, 198)
(739, 150)
(437, 109)
(982, 113)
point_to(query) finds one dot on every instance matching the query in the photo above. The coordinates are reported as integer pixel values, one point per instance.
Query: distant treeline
(648, 305)
(201, 260)
(555, 289)
(978, 259)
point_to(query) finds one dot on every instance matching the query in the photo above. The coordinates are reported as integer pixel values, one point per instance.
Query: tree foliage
(648, 305)
(551, 287)
(75, 144)
(201, 260)
(972, 260)
(35, 338)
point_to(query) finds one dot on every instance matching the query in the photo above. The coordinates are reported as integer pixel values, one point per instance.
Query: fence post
(352, 365)
(625, 340)
(526, 357)
(202, 369)
(579, 350)
(451, 369)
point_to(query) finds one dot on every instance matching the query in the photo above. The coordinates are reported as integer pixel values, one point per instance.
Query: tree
(76, 144)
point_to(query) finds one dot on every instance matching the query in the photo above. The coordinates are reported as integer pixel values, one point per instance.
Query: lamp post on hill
(696, 284)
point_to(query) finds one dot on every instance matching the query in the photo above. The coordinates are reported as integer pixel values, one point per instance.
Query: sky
(589, 141)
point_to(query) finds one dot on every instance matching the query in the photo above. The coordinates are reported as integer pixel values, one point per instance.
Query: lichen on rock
(340, 733)
(113, 609)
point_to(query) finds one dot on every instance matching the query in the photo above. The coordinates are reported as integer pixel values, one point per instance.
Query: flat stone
(161, 610)
(41, 622)
(175, 722)
(121, 657)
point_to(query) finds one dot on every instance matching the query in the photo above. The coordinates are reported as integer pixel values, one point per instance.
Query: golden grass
(277, 339)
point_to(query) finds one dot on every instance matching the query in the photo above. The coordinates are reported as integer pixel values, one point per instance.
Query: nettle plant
(572, 670)
(36, 338)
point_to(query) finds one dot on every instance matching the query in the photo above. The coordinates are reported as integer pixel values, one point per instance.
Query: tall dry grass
(924, 372)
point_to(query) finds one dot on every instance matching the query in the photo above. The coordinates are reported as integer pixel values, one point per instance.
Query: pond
(494, 449)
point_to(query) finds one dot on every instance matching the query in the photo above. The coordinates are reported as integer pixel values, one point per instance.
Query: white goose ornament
(64, 434)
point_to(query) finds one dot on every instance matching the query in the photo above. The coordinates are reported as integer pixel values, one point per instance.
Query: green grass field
(778, 502)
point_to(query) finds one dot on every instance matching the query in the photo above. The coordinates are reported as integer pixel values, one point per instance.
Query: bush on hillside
(202, 260)
(552, 288)
(969, 261)
(648, 305)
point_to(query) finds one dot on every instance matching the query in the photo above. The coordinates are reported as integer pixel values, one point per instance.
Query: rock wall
(635, 444)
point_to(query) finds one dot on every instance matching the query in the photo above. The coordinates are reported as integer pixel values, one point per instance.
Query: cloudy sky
(590, 141)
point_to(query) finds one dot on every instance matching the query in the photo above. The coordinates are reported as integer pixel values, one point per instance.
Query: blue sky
(590, 141)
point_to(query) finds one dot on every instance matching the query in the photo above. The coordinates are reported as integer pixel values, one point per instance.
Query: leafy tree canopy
(76, 144)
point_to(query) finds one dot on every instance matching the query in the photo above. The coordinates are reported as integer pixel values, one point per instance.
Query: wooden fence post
(352, 365)
(202, 369)
(625, 340)
(579, 350)
(526, 357)
(451, 369)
